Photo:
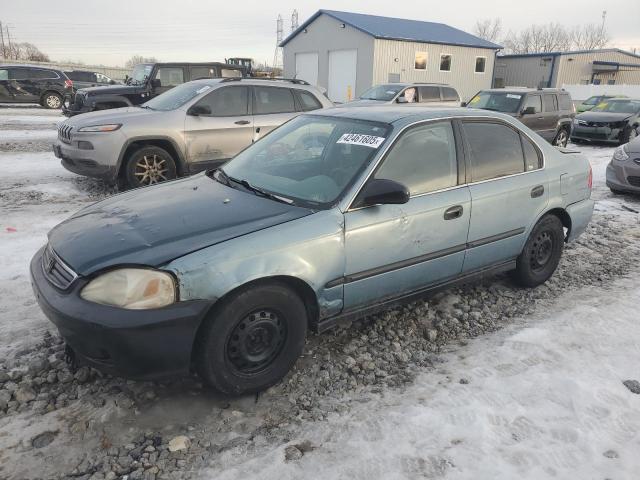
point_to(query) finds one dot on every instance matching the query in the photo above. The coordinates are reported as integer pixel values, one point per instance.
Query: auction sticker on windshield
(365, 140)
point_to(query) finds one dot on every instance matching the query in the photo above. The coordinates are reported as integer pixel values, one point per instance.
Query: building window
(481, 64)
(445, 62)
(420, 61)
(596, 81)
(611, 81)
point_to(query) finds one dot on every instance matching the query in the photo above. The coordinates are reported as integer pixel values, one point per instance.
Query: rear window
(565, 102)
(273, 100)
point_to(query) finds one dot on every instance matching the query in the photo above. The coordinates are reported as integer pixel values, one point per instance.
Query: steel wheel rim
(562, 139)
(151, 169)
(53, 101)
(256, 341)
(541, 251)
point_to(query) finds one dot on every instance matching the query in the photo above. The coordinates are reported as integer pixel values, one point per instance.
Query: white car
(409, 94)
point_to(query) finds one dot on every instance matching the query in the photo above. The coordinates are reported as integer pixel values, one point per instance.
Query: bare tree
(25, 51)
(554, 37)
(489, 29)
(136, 59)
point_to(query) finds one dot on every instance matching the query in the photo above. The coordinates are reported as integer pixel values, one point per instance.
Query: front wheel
(52, 101)
(541, 254)
(252, 339)
(149, 166)
(562, 138)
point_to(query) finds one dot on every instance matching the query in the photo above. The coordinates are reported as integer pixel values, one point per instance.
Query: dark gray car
(549, 112)
(623, 172)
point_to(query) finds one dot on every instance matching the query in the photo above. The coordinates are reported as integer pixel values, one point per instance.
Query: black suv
(147, 80)
(549, 111)
(86, 79)
(32, 84)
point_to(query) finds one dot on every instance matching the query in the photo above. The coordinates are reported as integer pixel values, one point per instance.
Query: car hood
(603, 116)
(113, 115)
(154, 225)
(112, 90)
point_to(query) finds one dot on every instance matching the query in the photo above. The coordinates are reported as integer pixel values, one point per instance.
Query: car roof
(26, 65)
(403, 115)
(524, 90)
(278, 82)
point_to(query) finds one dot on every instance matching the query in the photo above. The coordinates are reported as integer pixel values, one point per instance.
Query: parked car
(86, 79)
(623, 172)
(333, 215)
(33, 84)
(616, 120)
(409, 94)
(591, 102)
(193, 127)
(549, 112)
(147, 81)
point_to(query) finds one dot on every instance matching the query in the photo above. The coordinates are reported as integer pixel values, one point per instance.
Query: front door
(534, 120)
(509, 190)
(392, 250)
(214, 138)
(272, 106)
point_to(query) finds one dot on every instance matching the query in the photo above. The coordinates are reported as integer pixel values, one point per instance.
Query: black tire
(541, 254)
(52, 101)
(155, 161)
(628, 134)
(562, 137)
(615, 191)
(250, 341)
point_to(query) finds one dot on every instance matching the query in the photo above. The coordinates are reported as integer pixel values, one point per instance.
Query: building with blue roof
(347, 53)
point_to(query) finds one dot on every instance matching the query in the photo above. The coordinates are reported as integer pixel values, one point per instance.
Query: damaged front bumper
(136, 344)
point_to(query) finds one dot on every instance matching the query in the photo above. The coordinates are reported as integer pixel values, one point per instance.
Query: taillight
(68, 83)
(590, 178)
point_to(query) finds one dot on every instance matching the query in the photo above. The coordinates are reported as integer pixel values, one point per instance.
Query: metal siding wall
(324, 35)
(523, 72)
(461, 76)
(580, 68)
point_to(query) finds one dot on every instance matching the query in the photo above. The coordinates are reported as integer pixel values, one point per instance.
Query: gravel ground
(59, 423)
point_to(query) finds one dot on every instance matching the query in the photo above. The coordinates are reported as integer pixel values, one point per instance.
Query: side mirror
(380, 191)
(463, 104)
(155, 83)
(528, 111)
(198, 110)
(401, 99)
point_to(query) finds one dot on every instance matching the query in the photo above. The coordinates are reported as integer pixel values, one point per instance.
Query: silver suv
(410, 94)
(195, 126)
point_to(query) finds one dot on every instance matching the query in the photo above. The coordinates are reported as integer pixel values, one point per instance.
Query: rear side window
(273, 100)
(202, 72)
(429, 94)
(170, 76)
(534, 101)
(495, 150)
(423, 159)
(532, 157)
(550, 103)
(565, 102)
(227, 101)
(18, 73)
(308, 101)
(450, 95)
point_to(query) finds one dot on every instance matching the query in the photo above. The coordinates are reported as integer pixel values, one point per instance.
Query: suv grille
(64, 133)
(56, 271)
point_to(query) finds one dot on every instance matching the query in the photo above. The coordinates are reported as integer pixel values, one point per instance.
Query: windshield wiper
(259, 191)
(219, 175)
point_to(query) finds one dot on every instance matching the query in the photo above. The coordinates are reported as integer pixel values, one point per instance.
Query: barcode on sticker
(512, 95)
(364, 140)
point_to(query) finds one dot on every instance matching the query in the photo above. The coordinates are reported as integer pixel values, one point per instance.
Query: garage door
(342, 75)
(307, 67)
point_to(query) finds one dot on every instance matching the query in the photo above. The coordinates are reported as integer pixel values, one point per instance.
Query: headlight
(620, 154)
(101, 128)
(132, 288)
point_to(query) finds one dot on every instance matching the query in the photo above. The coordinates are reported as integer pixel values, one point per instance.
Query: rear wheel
(252, 339)
(562, 138)
(541, 254)
(149, 166)
(52, 100)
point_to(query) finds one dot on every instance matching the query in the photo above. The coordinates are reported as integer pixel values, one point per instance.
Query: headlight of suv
(620, 154)
(132, 288)
(101, 128)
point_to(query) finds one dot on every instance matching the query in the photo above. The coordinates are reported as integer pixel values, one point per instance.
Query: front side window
(495, 150)
(429, 94)
(420, 62)
(273, 100)
(170, 76)
(423, 159)
(497, 101)
(311, 160)
(481, 64)
(550, 103)
(227, 101)
(445, 62)
(383, 93)
(534, 101)
(177, 97)
(4, 74)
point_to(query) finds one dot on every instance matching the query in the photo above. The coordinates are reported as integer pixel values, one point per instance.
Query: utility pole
(9, 37)
(4, 51)
(294, 21)
(604, 17)
(277, 55)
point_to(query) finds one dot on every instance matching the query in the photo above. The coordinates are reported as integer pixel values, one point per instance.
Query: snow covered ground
(539, 395)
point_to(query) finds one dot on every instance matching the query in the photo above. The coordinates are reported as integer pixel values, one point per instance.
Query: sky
(110, 32)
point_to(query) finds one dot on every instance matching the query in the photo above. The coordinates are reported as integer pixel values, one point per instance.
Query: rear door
(213, 139)
(22, 85)
(272, 106)
(550, 116)
(509, 191)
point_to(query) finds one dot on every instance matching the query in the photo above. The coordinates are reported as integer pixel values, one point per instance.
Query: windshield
(382, 92)
(618, 106)
(496, 101)
(140, 73)
(177, 96)
(592, 100)
(310, 160)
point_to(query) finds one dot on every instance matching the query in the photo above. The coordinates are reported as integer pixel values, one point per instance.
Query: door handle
(242, 122)
(537, 191)
(452, 213)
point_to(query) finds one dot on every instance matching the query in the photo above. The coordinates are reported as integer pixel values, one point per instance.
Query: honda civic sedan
(333, 215)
